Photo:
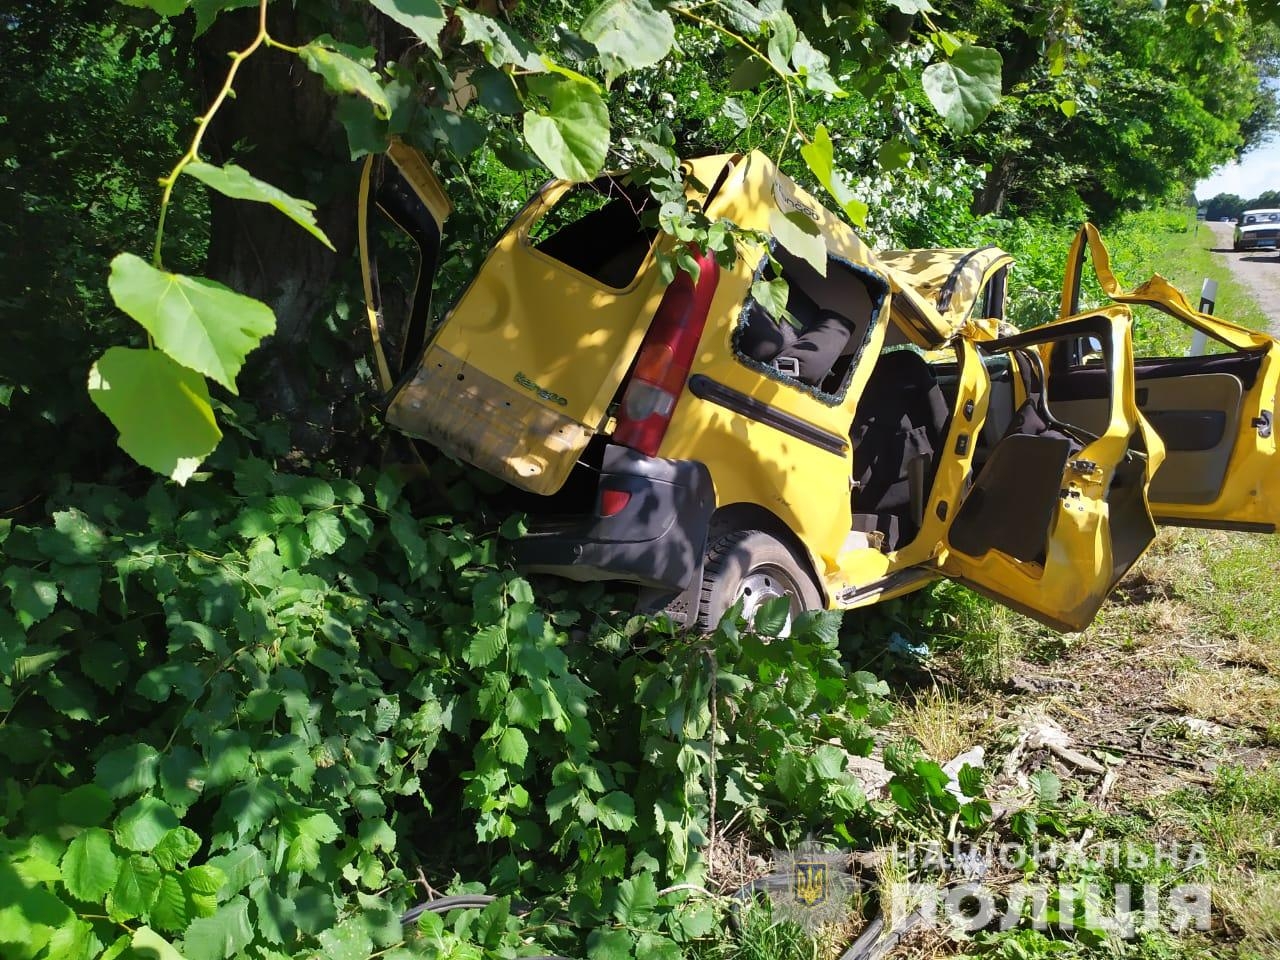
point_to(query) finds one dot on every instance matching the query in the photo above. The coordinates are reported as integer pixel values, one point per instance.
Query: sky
(1259, 170)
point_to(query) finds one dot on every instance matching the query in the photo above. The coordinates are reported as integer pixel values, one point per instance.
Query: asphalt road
(1259, 270)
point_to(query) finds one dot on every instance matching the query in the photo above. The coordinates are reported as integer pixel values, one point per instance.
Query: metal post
(1208, 300)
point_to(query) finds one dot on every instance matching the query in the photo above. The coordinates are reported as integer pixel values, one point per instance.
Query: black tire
(756, 562)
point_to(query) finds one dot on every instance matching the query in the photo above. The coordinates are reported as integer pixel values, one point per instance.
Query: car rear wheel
(754, 567)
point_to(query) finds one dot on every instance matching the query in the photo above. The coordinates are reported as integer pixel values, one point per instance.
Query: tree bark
(991, 197)
(281, 126)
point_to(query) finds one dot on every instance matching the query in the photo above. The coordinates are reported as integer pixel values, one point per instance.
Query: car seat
(898, 428)
(813, 348)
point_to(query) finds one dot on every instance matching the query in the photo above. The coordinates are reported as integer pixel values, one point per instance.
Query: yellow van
(882, 437)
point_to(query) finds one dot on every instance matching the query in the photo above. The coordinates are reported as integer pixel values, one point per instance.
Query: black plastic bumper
(656, 540)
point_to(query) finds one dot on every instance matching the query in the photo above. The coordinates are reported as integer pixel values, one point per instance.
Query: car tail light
(665, 358)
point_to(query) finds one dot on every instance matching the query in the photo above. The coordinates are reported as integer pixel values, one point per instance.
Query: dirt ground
(1259, 270)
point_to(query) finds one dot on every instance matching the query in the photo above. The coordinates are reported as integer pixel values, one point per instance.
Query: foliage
(240, 714)
(1229, 205)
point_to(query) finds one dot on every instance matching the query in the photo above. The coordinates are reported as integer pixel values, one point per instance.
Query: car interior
(828, 320)
(597, 228)
(1193, 403)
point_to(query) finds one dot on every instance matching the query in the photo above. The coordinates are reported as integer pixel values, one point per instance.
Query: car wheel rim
(764, 584)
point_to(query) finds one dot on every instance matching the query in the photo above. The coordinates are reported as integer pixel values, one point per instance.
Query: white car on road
(1258, 229)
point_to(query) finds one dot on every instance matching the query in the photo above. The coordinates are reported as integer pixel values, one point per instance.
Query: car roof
(1263, 210)
(950, 279)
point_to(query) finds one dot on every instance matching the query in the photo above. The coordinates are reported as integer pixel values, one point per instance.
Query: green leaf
(610, 945)
(423, 17)
(141, 825)
(208, 10)
(239, 184)
(220, 936)
(149, 945)
(73, 940)
(819, 156)
(499, 43)
(128, 770)
(305, 834)
(894, 154)
(31, 596)
(239, 868)
(772, 616)
(81, 585)
(337, 64)
(572, 136)
(135, 888)
(782, 39)
(800, 236)
(161, 409)
(291, 542)
(970, 779)
(166, 8)
(176, 847)
(637, 898)
(1047, 786)
(85, 806)
(653, 946)
(513, 748)
(965, 88)
(772, 295)
(617, 811)
(366, 133)
(524, 707)
(749, 74)
(815, 67)
(197, 322)
(1068, 108)
(206, 879)
(89, 866)
(324, 530)
(486, 645)
(171, 911)
(629, 35)
(73, 539)
(348, 941)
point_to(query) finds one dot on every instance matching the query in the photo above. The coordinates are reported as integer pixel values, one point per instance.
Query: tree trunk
(991, 197)
(281, 126)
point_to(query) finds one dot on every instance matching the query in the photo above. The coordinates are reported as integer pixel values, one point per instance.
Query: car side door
(1215, 412)
(1056, 514)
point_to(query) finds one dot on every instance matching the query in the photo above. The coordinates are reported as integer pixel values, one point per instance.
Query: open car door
(1057, 514)
(1215, 413)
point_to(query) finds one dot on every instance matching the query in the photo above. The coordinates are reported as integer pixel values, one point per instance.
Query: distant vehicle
(1258, 230)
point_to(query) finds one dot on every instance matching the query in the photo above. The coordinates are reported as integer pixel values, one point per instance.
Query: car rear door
(1056, 515)
(1215, 413)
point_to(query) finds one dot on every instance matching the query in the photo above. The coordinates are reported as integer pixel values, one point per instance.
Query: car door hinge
(1083, 467)
(1263, 424)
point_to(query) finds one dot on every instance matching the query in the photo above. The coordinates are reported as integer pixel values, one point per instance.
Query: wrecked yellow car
(681, 439)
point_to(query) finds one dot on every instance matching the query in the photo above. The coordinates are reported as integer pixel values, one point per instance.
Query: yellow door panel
(1057, 514)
